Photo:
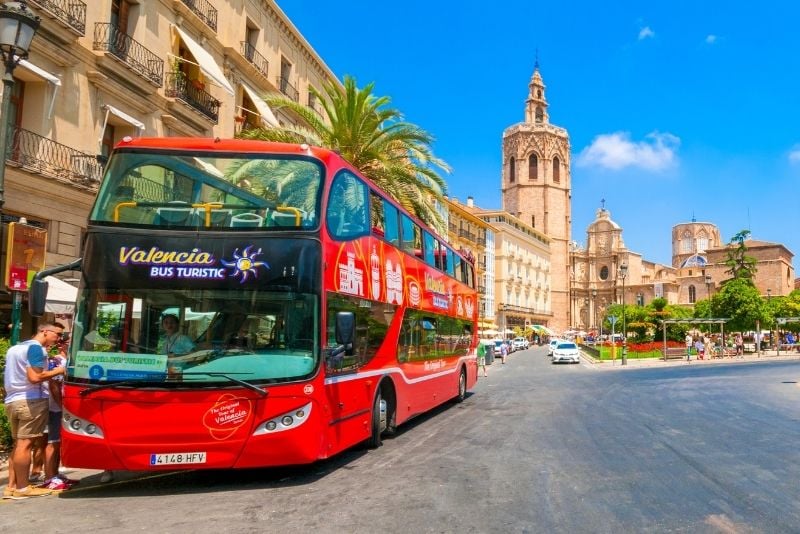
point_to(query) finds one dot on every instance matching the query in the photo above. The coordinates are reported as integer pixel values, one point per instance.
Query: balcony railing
(122, 46)
(70, 12)
(192, 92)
(314, 104)
(257, 60)
(288, 89)
(44, 156)
(204, 10)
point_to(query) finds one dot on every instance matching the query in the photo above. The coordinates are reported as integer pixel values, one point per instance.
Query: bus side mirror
(37, 297)
(346, 329)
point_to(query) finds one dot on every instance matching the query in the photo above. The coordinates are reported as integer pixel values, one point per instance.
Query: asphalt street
(535, 448)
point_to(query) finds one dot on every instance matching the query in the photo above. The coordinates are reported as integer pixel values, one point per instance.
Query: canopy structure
(205, 61)
(489, 332)
(542, 329)
(263, 108)
(61, 296)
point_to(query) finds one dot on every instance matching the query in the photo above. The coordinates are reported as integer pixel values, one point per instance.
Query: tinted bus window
(457, 272)
(391, 223)
(376, 214)
(450, 258)
(412, 236)
(431, 248)
(347, 207)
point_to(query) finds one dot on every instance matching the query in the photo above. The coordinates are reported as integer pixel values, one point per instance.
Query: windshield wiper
(248, 385)
(108, 385)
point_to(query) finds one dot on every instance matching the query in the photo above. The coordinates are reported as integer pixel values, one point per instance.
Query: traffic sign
(612, 319)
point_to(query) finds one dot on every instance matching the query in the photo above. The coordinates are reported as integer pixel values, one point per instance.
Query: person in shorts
(27, 405)
(53, 480)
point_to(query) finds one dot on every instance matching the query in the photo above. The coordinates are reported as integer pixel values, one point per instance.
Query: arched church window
(533, 167)
(604, 272)
(692, 295)
(556, 170)
(539, 114)
(538, 93)
(512, 170)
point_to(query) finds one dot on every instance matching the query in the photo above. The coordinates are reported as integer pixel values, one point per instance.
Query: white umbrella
(508, 331)
(490, 332)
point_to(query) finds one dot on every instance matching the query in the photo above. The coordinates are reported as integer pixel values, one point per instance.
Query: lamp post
(623, 273)
(708, 285)
(769, 301)
(18, 24)
(594, 309)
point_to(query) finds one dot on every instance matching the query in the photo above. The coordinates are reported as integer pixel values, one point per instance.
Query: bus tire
(462, 385)
(374, 440)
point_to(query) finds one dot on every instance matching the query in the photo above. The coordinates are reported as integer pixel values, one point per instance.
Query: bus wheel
(462, 385)
(378, 421)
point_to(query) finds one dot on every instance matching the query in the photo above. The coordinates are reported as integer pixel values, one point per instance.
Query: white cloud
(711, 38)
(794, 154)
(616, 151)
(646, 32)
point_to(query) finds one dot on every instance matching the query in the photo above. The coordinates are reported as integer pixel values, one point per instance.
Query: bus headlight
(286, 421)
(81, 427)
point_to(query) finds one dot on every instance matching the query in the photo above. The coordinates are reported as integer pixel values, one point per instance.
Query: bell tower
(536, 187)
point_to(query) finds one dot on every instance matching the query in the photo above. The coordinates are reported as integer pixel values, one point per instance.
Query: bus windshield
(191, 337)
(197, 190)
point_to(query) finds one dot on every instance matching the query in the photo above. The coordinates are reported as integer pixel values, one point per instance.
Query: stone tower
(691, 240)
(536, 188)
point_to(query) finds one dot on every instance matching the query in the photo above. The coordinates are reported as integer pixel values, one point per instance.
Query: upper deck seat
(246, 220)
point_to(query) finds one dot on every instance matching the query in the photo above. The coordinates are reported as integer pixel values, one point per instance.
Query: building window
(686, 245)
(533, 167)
(512, 171)
(539, 115)
(604, 272)
(556, 170)
(692, 295)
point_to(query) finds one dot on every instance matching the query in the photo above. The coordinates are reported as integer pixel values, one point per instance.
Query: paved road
(535, 448)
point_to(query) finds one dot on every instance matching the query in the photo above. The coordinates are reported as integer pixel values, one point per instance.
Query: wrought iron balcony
(122, 46)
(193, 93)
(70, 12)
(314, 104)
(204, 10)
(46, 157)
(288, 89)
(257, 60)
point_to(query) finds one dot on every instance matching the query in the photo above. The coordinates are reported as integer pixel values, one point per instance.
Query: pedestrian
(689, 339)
(739, 342)
(26, 405)
(54, 481)
(503, 352)
(700, 347)
(482, 358)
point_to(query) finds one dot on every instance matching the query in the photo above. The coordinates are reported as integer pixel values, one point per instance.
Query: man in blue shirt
(27, 403)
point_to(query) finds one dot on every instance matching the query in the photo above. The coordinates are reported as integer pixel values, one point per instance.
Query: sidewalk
(633, 363)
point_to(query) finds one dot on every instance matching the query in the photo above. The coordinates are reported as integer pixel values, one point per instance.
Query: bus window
(470, 281)
(450, 262)
(347, 207)
(431, 248)
(457, 268)
(391, 227)
(412, 236)
(376, 214)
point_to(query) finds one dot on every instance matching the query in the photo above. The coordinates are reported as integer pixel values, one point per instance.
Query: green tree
(739, 300)
(396, 155)
(740, 264)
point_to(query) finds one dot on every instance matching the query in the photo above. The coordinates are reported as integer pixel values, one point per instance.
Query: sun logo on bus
(245, 264)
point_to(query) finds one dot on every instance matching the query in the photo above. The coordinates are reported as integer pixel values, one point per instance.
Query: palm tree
(394, 154)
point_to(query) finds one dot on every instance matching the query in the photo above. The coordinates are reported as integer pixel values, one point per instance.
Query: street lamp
(18, 24)
(623, 272)
(594, 309)
(708, 285)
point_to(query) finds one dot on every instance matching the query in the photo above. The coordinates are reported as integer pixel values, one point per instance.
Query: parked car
(520, 343)
(498, 343)
(552, 345)
(566, 351)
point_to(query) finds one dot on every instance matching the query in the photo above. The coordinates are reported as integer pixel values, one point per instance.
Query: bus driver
(173, 343)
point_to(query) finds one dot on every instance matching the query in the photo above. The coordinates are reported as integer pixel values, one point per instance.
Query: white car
(566, 351)
(552, 346)
(520, 343)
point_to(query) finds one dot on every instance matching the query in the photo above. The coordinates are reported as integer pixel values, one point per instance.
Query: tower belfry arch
(536, 187)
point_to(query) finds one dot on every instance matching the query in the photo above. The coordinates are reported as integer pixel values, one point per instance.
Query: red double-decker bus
(248, 304)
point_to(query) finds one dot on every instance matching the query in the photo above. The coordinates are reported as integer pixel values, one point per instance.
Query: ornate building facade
(536, 189)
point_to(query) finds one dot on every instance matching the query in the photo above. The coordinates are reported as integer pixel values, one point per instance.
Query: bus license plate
(178, 458)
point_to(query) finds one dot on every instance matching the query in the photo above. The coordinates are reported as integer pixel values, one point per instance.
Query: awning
(54, 80)
(61, 296)
(40, 72)
(124, 116)
(205, 61)
(263, 108)
(543, 329)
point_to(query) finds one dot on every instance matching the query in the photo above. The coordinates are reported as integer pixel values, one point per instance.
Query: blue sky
(675, 109)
